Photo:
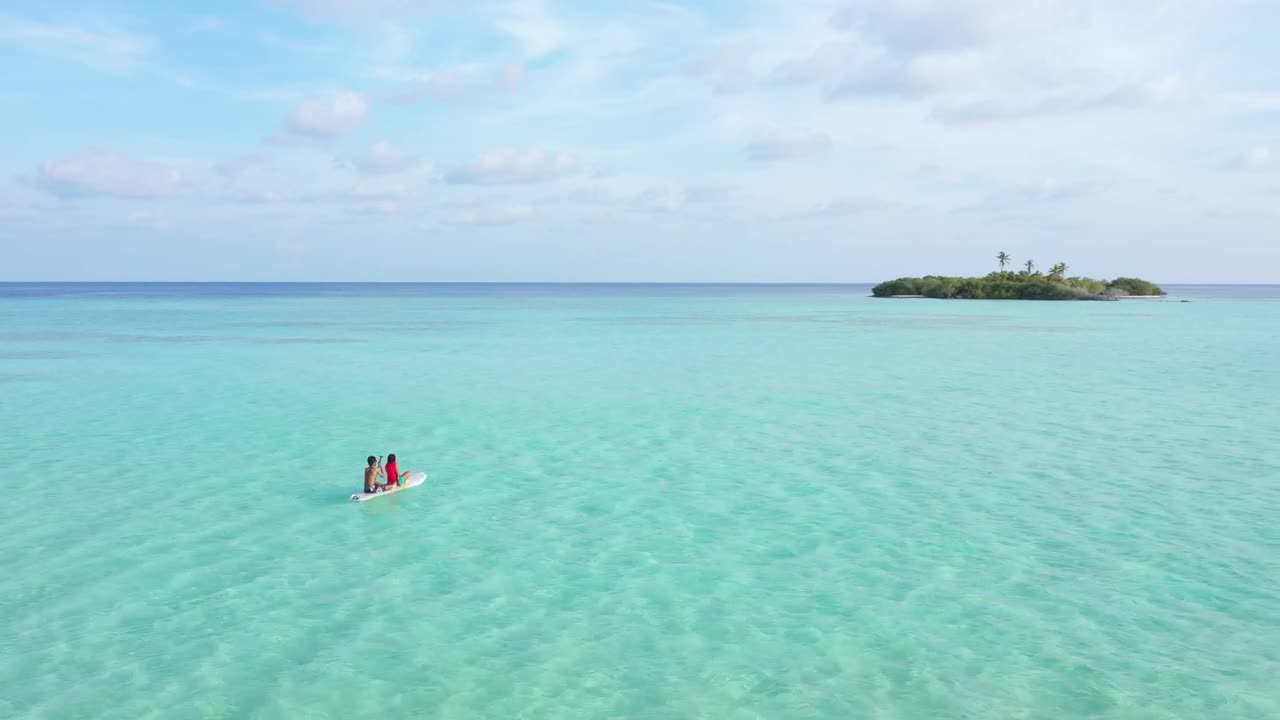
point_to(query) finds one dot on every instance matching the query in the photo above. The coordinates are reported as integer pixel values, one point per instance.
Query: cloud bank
(773, 139)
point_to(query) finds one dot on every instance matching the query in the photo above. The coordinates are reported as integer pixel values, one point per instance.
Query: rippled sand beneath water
(729, 504)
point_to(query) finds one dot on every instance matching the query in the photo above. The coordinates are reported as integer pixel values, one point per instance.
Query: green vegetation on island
(1027, 284)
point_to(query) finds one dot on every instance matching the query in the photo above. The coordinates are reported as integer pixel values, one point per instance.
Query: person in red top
(393, 473)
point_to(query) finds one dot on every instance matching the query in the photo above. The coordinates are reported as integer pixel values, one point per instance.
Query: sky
(643, 140)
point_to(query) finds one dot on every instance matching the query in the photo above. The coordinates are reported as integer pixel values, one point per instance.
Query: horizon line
(527, 282)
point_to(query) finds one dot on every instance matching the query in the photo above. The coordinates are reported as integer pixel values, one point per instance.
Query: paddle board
(414, 480)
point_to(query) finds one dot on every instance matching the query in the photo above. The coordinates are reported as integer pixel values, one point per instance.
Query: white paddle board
(414, 480)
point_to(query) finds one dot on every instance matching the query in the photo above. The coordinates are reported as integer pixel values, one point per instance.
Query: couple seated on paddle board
(391, 475)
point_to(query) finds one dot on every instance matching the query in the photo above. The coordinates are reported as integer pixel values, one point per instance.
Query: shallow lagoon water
(645, 502)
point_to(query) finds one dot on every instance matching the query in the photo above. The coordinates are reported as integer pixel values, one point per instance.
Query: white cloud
(437, 85)
(98, 46)
(671, 96)
(660, 200)
(234, 168)
(512, 75)
(788, 145)
(530, 24)
(1264, 101)
(508, 215)
(395, 44)
(454, 83)
(932, 25)
(262, 196)
(374, 207)
(1051, 189)
(359, 8)
(657, 196)
(943, 71)
(145, 220)
(844, 207)
(705, 202)
(1257, 159)
(728, 66)
(381, 159)
(95, 173)
(991, 60)
(844, 68)
(366, 194)
(504, 167)
(330, 117)
(377, 191)
(1167, 91)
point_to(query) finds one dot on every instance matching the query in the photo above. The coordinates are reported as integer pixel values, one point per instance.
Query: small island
(1028, 284)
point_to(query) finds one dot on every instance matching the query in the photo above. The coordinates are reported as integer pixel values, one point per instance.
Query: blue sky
(557, 140)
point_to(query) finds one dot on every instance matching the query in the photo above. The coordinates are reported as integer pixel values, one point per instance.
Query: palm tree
(1030, 266)
(1004, 259)
(1058, 271)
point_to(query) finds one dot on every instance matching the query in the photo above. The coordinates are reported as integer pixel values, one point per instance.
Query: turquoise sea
(660, 502)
